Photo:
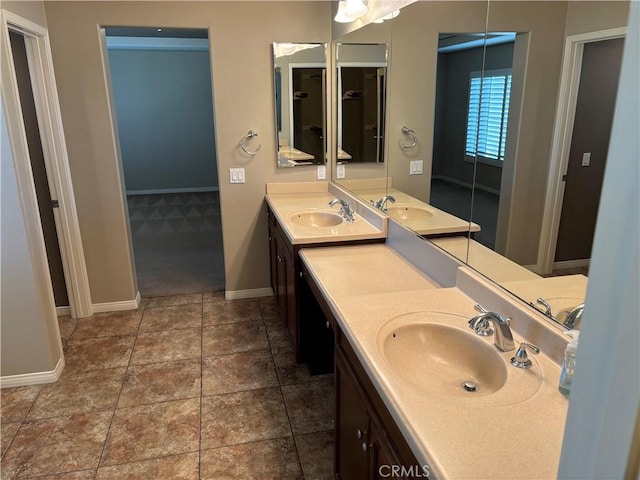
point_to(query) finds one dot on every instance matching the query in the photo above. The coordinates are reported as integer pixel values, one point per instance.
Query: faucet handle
(521, 360)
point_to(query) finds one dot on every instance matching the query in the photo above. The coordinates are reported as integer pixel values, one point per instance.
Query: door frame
(55, 158)
(562, 136)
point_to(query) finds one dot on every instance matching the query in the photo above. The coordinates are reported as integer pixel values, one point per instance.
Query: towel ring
(250, 134)
(413, 138)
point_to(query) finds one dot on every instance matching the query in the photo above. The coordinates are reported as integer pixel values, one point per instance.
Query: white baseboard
(254, 293)
(62, 311)
(35, 378)
(571, 264)
(173, 190)
(117, 306)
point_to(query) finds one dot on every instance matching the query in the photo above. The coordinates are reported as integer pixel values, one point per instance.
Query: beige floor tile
(16, 402)
(151, 431)
(243, 417)
(56, 445)
(157, 319)
(109, 324)
(78, 475)
(270, 310)
(316, 455)
(178, 467)
(289, 372)
(79, 392)
(172, 300)
(160, 382)
(237, 372)
(267, 460)
(234, 338)
(217, 313)
(278, 336)
(166, 346)
(67, 325)
(7, 432)
(98, 353)
(208, 297)
(310, 405)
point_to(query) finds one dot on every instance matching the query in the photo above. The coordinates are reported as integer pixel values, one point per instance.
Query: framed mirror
(300, 84)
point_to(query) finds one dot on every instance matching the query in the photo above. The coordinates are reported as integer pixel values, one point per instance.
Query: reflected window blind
(488, 113)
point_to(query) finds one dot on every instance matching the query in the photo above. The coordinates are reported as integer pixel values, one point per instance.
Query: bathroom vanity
(299, 216)
(403, 352)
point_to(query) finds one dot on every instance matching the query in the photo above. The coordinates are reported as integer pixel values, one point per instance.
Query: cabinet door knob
(365, 447)
(329, 326)
(359, 433)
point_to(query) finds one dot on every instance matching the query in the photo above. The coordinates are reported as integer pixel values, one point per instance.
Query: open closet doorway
(161, 86)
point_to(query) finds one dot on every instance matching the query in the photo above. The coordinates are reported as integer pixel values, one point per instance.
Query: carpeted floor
(177, 242)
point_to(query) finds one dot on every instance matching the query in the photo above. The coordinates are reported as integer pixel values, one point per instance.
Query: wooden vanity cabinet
(299, 310)
(368, 442)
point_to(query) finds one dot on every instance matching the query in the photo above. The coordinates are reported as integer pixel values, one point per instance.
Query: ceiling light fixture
(389, 16)
(350, 10)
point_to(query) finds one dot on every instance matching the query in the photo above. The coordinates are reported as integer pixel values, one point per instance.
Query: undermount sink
(409, 214)
(423, 350)
(316, 218)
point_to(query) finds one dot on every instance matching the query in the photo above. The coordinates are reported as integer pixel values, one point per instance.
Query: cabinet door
(383, 461)
(352, 425)
(273, 260)
(289, 294)
(281, 284)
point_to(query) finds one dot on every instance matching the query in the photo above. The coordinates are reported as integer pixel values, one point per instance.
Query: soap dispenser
(569, 364)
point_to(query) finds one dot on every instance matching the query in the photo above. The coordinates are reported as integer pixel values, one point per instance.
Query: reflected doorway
(161, 87)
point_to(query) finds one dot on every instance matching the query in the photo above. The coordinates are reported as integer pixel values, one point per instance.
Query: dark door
(40, 180)
(591, 131)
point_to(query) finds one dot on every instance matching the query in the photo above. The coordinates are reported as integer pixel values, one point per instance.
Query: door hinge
(55, 204)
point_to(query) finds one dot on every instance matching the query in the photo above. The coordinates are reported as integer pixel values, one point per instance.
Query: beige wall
(592, 16)
(31, 10)
(240, 38)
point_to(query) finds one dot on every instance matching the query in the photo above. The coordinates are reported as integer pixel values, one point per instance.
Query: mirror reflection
(503, 186)
(361, 76)
(299, 98)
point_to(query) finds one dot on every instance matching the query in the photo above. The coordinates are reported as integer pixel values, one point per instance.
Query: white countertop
(286, 205)
(456, 437)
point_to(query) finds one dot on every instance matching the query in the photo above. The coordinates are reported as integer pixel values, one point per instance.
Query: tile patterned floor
(185, 387)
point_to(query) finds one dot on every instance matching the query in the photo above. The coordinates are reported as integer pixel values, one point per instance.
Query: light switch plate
(586, 159)
(322, 172)
(341, 171)
(415, 167)
(236, 175)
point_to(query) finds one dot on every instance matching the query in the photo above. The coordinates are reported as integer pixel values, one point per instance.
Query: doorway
(42, 166)
(39, 172)
(595, 105)
(588, 89)
(161, 88)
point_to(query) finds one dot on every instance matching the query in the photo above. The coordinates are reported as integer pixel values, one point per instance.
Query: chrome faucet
(345, 209)
(547, 307)
(503, 335)
(574, 317)
(382, 203)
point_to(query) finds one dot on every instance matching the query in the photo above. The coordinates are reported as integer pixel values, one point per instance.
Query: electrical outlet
(586, 159)
(236, 175)
(341, 171)
(415, 167)
(322, 172)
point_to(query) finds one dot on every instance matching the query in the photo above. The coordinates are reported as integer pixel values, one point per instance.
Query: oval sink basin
(316, 219)
(442, 359)
(408, 214)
